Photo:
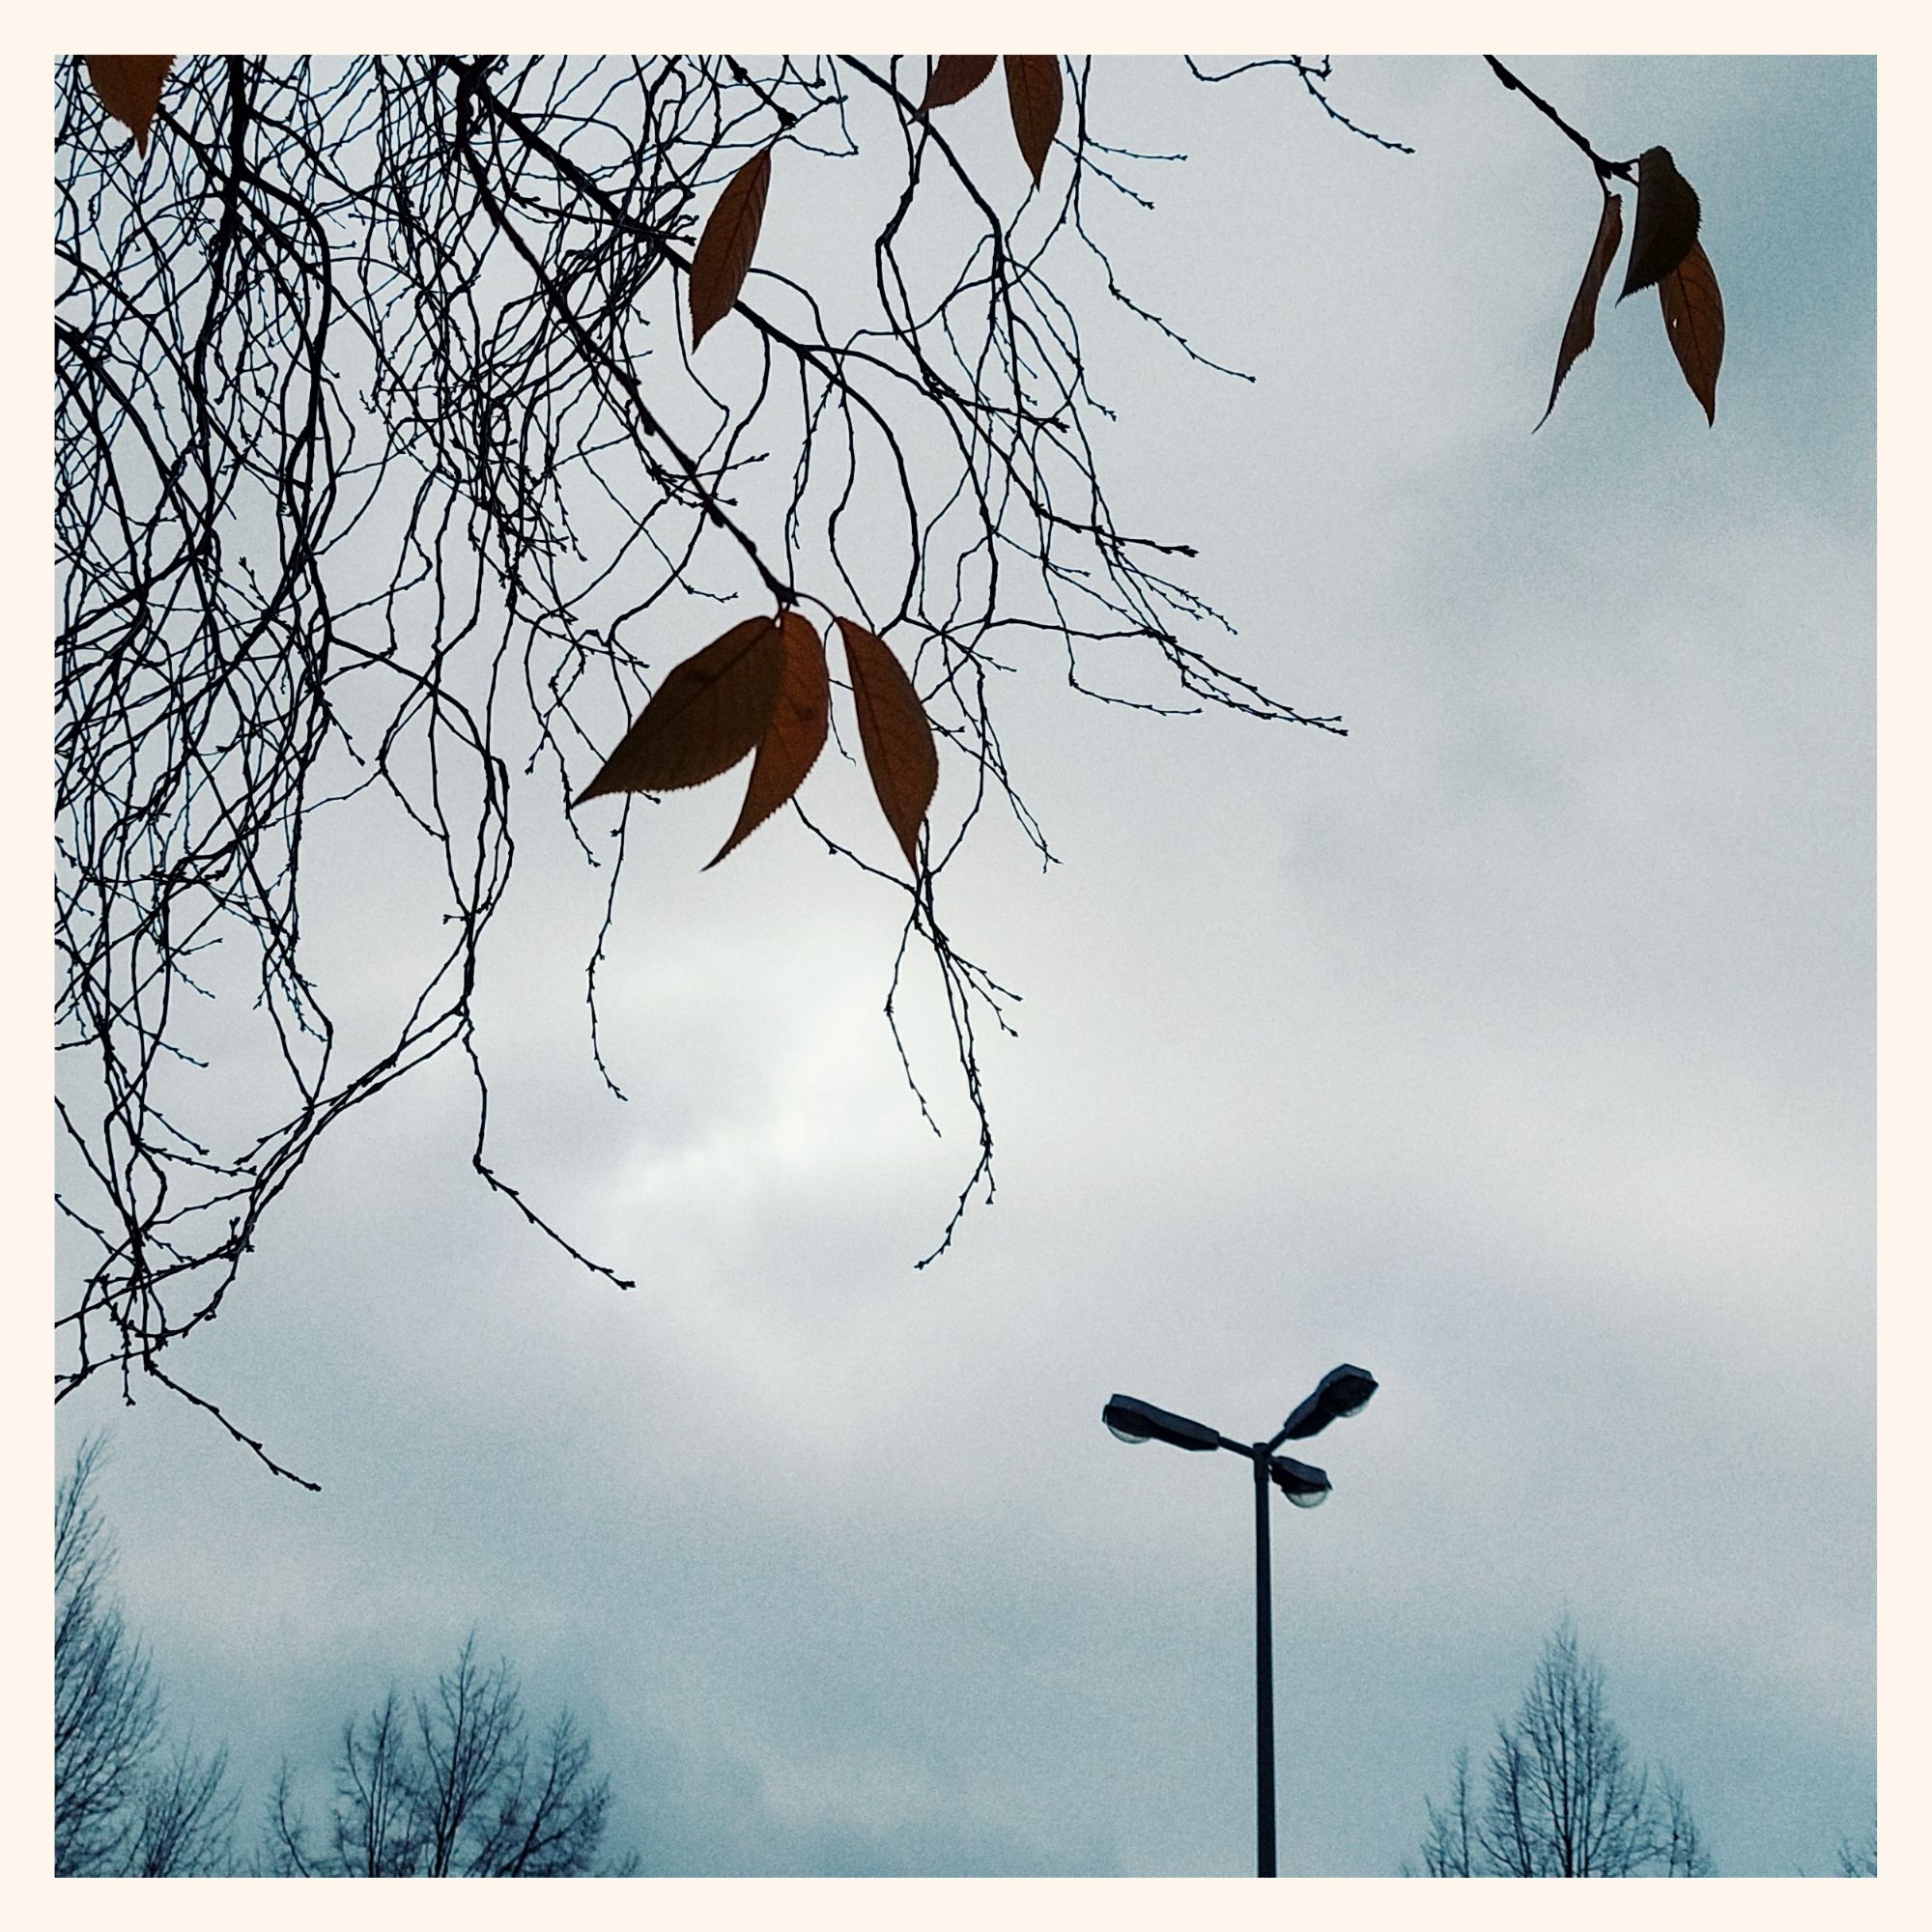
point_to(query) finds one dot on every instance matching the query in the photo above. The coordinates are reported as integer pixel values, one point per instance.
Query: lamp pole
(1342, 1391)
(1263, 1672)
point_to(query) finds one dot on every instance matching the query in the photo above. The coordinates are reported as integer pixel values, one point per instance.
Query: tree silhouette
(126, 1805)
(1858, 1858)
(449, 1786)
(390, 470)
(1561, 1797)
(443, 1785)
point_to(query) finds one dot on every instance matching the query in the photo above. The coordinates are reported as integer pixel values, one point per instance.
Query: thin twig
(1622, 170)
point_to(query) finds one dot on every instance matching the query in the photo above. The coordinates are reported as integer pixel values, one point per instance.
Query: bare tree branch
(388, 484)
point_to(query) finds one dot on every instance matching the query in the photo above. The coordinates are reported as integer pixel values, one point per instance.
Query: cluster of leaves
(1666, 254)
(1033, 92)
(764, 686)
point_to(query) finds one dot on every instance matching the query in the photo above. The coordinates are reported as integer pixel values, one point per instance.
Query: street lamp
(1342, 1391)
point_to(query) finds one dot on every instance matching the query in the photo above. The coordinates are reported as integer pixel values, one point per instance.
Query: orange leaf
(954, 77)
(796, 735)
(723, 255)
(1581, 331)
(129, 87)
(1033, 92)
(1694, 318)
(1666, 221)
(709, 711)
(892, 729)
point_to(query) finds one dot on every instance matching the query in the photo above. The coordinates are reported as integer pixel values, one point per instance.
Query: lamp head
(1304, 1485)
(1136, 1421)
(1342, 1391)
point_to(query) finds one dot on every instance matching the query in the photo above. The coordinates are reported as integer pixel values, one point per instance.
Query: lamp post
(1342, 1391)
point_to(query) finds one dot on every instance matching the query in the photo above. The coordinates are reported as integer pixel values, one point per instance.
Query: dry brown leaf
(709, 711)
(723, 255)
(129, 87)
(1694, 318)
(1581, 331)
(893, 733)
(1033, 92)
(796, 735)
(1666, 221)
(954, 77)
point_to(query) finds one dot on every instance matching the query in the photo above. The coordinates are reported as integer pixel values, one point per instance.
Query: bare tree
(452, 1786)
(445, 1786)
(126, 1805)
(1685, 1853)
(186, 1818)
(1858, 1858)
(1450, 1849)
(1562, 1797)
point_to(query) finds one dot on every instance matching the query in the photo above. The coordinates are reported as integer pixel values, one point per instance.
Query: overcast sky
(1518, 1046)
